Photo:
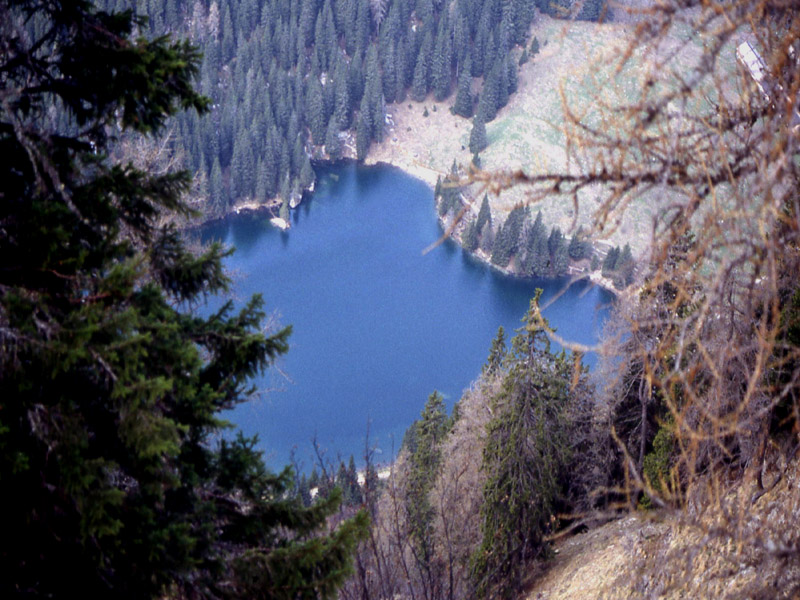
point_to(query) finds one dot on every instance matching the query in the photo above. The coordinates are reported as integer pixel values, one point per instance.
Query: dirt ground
(589, 565)
(726, 549)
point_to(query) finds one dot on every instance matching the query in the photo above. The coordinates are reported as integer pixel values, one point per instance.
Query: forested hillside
(291, 81)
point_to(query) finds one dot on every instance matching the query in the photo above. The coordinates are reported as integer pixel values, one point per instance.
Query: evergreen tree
(442, 59)
(314, 479)
(523, 16)
(488, 101)
(624, 268)
(390, 83)
(541, 257)
(285, 158)
(341, 110)
(487, 238)
(373, 92)
(484, 214)
(507, 242)
(260, 194)
(430, 431)
(228, 46)
(497, 352)
(355, 80)
(270, 165)
(610, 261)
(112, 394)
(298, 154)
(560, 260)
(353, 489)
(530, 263)
(525, 459)
(306, 22)
(217, 189)
(363, 137)
(333, 145)
(500, 81)
(343, 483)
(477, 136)
(450, 196)
(285, 194)
(420, 85)
(461, 39)
(555, 240)
(471, 238)
(593, 10)
(401, 70)
(463, 102)
(371, 488)
(316, 111)
(307, 175)
(304, 492)
(625, 257)
(362, 32)
(578, 248)
(511, 77)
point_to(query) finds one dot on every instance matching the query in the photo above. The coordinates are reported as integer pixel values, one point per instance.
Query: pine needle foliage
(526, 454)
(115, 482)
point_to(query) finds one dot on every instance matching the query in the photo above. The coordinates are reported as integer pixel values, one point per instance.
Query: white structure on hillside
(751, 60)
(772, 91)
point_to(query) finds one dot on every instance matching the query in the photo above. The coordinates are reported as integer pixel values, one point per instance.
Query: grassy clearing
(575, 66)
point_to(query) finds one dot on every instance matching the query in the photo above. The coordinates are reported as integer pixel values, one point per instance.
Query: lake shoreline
(377, 326)
(429, 177)
(424, 174)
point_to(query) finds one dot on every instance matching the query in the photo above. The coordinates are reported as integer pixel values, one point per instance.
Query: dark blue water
(377, 325)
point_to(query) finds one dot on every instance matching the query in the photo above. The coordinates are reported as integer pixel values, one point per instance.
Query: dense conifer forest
(116, 479)
(293, 81)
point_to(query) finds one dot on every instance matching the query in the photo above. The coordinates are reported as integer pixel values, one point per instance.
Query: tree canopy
(114, 478)
(525, 457)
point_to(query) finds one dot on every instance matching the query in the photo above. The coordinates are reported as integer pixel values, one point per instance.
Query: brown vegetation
(697, 413)
(706, 381)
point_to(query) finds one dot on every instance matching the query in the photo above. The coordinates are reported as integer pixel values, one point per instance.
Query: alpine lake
(377, 324)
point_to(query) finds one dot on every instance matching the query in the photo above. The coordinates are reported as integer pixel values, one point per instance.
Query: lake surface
(377, 326)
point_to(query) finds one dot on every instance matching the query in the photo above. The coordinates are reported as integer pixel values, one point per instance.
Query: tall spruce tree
(429, 433)
(421, 82)
(477, 136)
(610, 261)
(484, 214)
(112, 389)
(507, 242)
(463, 102)
(531, 263)
(441, 60)
(525, 458)
(471, 238)
(579, 247)
(497, 352)
(333, 145)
